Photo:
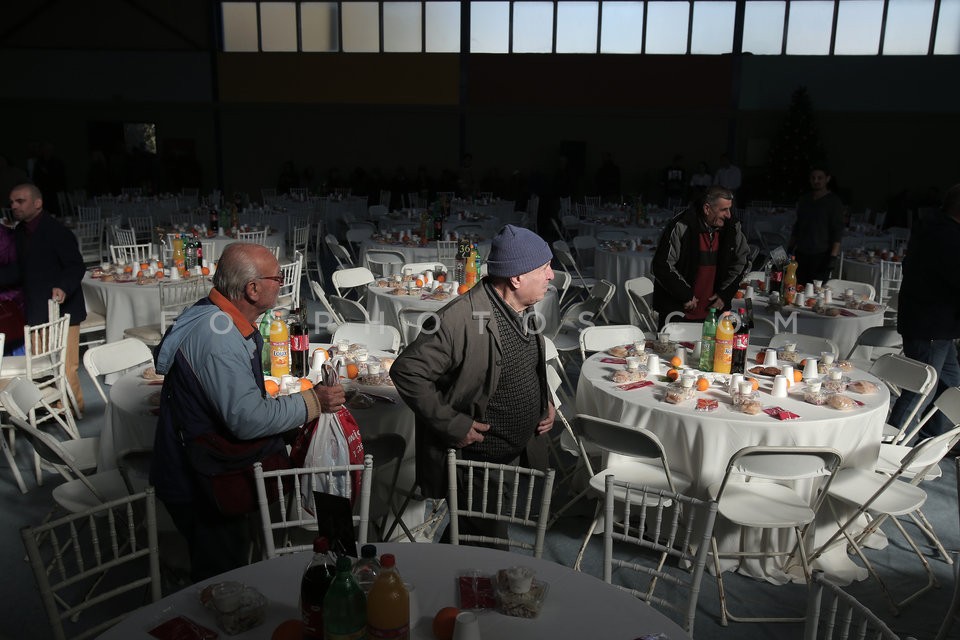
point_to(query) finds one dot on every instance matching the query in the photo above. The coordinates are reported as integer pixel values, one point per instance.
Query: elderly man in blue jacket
(214, 383)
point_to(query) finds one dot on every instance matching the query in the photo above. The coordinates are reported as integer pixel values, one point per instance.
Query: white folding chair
(859, 288)
(810, 345)
(356, 234)
(339, 252)
(578, 281)
(124, 237)
(90, 240)
(327, 319)
(752, 495)
(585, 248)
(901, 373)
(447, 253)
(502, 493)
(256, 237)
(383, 263)
(175, 296)
(871, 338)
(634, 455)
(289, 294)
(834, 613)
(114, 357)
(411, 322)
(71, 555)
(684, 331)
(561, 282)
(600, 338)
(638, 289)
(349, 310)
(381, 337)
(356, 279)
(290, 527)
(131, 253)
(142, 227)
(579, 316)
(663, 524)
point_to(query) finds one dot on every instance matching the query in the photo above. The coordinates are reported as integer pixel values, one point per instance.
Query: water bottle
(367, 568)
(707, 340)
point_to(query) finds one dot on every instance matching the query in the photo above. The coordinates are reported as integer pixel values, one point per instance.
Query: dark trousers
(942, 356)
(217, 543)
(813, 266)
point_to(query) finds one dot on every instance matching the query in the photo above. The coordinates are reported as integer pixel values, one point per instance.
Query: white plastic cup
(746, 387)
(633, 363)
(467, 626)
(814, 386)
(653, 365)
(827, 296)
(663, 337)
(770, 360)
(749, 292)
(848, 294)
(809, 290)
(687, 382)
(827, 357)
(779, 387)
(787, 372)
(800, 299)
(373, 368)
(735, 381)
(810, 369)
(227, 596)
(818, 284)
(414, 603)
(640, 346)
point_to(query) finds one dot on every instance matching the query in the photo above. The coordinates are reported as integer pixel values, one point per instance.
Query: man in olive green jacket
(475, 376)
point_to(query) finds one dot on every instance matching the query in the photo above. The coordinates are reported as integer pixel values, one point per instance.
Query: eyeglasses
(277, 279)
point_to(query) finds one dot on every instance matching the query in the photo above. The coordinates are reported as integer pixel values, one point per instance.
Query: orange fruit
(702, 384)
(288, 630)
(159, 265)
(418, 282)
(797, 375)
(205, 271)
(676, 361)
(326, 354)
(353, 371)
(755, 383)
(305, 384)
(673, 374)
(272, 388)
(128, 269)
(444, 622)
(462, 289)
(441, 277)
(160, 274)
(140, 273)
(739, 295)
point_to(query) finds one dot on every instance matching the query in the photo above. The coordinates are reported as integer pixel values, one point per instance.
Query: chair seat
(765, 505)
(74, 495)
(638, 473)
(93, 322)
(857, 486)
(149, 334)
(84, 451)
(14, 366)
(889, 432)
(891, 456)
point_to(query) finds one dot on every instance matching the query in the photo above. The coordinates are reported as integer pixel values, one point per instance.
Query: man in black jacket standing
(49, 266)
(700, 259)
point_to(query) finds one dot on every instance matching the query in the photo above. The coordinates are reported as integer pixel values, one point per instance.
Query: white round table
(412, 252)
(274, 239)
(384, 307)
(700, 444)
(577, 605)
(860, 270)
(618, 267)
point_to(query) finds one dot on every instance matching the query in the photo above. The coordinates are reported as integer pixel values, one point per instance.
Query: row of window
(769, 27)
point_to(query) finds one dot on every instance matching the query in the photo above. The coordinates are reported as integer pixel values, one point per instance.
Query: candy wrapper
(847, 313)
(630, 386)
(707, 404)
(780, 413)
(613, 360)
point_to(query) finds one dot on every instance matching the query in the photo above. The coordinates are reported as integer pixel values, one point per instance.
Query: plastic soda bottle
(790, 281)
(345, 606)
(367, 568)
(470, 270)
(313, 589)
(723, 349)
(279, 347)
(388, 605)
(265, 320)
(707, 340)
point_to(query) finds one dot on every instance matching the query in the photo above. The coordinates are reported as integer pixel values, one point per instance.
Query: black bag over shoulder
(224, 469)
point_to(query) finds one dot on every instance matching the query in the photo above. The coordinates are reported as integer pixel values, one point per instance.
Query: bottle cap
(321, 545)
(368, 551)
(387, 560)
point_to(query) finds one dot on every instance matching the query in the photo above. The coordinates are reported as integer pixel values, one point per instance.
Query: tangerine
(159, 274)
(418, 282)
(739, 295)
(441, 277)
(205, 271)
(159, 265)
(140, 273)
(128, 269)
(673, 374)
(353, 371)
(755, 383)
(305, 384)
(288, 630)
(462, 289)
(676, 361)
(702, 384)
(271, 387)
(444, 622)
(797, 375)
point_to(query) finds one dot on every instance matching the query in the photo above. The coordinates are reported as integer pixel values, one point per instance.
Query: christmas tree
(794, 149)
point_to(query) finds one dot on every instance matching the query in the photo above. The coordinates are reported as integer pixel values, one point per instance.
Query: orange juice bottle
(790, 281)
(723, 345)
(470, 274)
(388, 605)
(279, 347)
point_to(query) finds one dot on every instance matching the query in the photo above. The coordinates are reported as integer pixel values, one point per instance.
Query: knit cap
(515, 251)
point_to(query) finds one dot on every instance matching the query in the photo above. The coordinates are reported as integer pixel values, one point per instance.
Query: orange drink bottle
(388, 604)
(279, 347)
(790, 281)
(723, 349)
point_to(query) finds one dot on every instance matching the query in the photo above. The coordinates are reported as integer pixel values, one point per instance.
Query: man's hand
(331, 398)
(716, 302)
(691, 305)
(546, 424)
(58, 295)
(475, 434)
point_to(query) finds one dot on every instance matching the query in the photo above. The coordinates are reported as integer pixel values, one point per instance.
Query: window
(713, 27)
(622, 27)
(908, 27)
(278, 26)
(763, 27)
(240, 26)
(667, 27)
(532, 27)
(577, 27)
(948, 31)
(443, 27)
(402, 26)
(319, 24)
(489, 27)
(361, 27)
(858, 27)
(808, 33)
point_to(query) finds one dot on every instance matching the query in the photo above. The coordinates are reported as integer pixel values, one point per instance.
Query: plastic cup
(787, 372)
(653, 365)
(227, 596)
(827, 357)
(779, 387)
(735, 381)
(633, 363)
(809, 290)
(467, 626)
(770, 360)
(810, 369)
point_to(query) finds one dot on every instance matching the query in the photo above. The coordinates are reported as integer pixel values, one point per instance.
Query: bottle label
(399, 633)
(741, 340)
(312, 622)
(359, 634)
(300, 342)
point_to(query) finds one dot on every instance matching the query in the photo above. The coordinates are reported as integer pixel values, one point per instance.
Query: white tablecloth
(577, 605)
(274, 239)
(860, 271)
(618, 267)
(700, 444)
(384, 307)
(417, 253)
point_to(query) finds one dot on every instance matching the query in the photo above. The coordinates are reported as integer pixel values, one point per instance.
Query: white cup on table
(770, 359)
(779, 387)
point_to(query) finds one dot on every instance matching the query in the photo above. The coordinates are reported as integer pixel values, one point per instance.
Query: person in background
(11, 297)
(928, 311)
(48, 267)
(818, 231)
(475, 377)
(701, 177)
(700, 259)
(211, 360)
(728, 175)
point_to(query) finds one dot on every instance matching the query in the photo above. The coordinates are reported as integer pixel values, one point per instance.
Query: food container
(519, 605)
(237, 607)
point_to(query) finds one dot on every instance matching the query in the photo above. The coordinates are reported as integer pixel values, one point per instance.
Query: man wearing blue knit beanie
(475, 376)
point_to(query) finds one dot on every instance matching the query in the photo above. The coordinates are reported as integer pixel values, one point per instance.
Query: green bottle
(265, 334)
(708, 340)
(345, 606)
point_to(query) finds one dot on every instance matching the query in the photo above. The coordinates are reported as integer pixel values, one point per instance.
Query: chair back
(90, 239)
(902, 373)
(289, 294)
(411, 323)
(561, 281)
(341, 254)
(834, 613)
(886, 337)
(810, 345)
(891, 274)
(114, 357)
(669, 526)
(602, 337)
(510, 494)
(783, 464)
(637, 291)
(349, 310)
(131, 253)
(123, 236)
(447, 253)
(382, 263)
(177, 295)
(684, 331)
(333, 318)
(70, 556)
(859, 288)
(256, 237)
(381, 337)
(291, 526)
(345, 279)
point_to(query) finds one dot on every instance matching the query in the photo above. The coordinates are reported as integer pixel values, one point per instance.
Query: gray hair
(715, 193)
(235, 269)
